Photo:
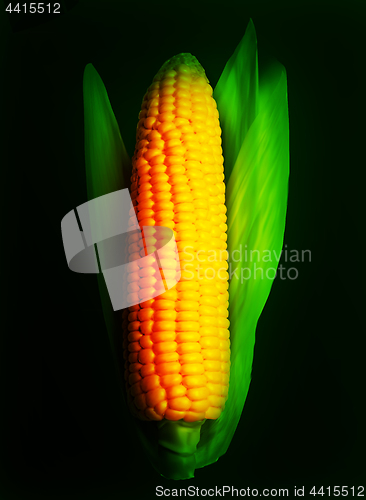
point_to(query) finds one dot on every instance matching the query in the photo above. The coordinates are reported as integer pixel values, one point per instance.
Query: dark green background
(63, 432)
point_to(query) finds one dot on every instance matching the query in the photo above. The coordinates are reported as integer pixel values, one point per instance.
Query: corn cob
(176, 346)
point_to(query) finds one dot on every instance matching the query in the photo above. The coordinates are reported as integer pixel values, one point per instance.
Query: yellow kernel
(135, 389)
(176, 168)
(223, 333)
(183, 236)
(134, 367)
(146, 356)
(168, 368)
(192, 416)
(215, 377)
(189, 295)
(200, 406)
(159, 326)
(216, 389)
(166, 117)
(180, 404)
(182, 84)
(174, 414)
(210, 343)
(167, 90)
(147, 370)
(211, 354)
(163, 304)
(154, 136)
(192, 369)
(173, 379)
(188, 315)
(153, 111)
(183, 112)
(188, 347)
(187, 286)
(166, 108)
(171, 295)
(182, 93)
(149, 122)
(151, 414)
(177, 179)
(223, 322)
(212, 365)
(185, 226)
(161, 407)
(198, 393)
(225, 355)
(165, 127)
(166, 357)
(213, 413)
(207, 310)
(191, 357)
(194, 381)
(187, 326)
(184, 197)
(150, 382)
(173, 160)
(164, 215)
(185, 305)
(183, 124)
(187, 337)
(135, 346)
(173, 133)
(208, 290)
(216, 401)
(183, 77)
(166, 336)
(193, 155)
(177, 150)
(155, 396)
(145, 342)
(133, 357)
(171, 143)
(209, 300)
(208, 320)
(134, 336)
(175, 391)
(225, 367)
(184, 207)
(198, 96)
(199, 107)
(193, 173)
(140, 401)
(133, 378)
(200, 206)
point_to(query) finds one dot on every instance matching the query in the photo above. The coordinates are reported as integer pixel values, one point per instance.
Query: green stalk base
(177, 446)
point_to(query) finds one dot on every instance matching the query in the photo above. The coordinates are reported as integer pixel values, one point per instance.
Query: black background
(64, 431)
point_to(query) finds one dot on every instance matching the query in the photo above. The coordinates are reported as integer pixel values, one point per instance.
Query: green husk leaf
(106, 160)
(236, 95)
(108, 168)
(256, 200)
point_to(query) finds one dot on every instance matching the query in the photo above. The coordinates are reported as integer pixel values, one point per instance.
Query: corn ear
(254, 124)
